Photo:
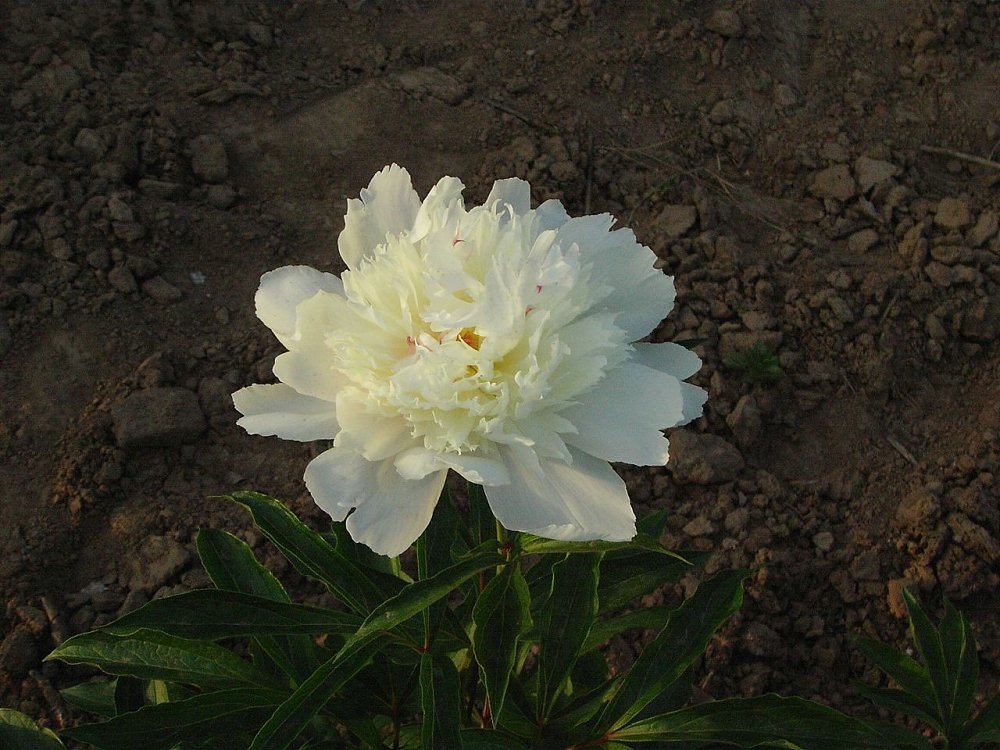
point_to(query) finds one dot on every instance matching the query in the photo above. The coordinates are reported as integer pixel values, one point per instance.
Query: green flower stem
(503, 542)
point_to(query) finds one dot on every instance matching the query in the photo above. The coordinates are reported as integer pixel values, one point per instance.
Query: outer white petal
(391, 512)
(444, 199)
(281, 291)
(416, 463)
(672, 359)
(621, 417)
(310, 373)
(374, 436)
(694, 399)
(578, 501)
(549, 215)
(388, 206)
(513, 192)
(282, 411)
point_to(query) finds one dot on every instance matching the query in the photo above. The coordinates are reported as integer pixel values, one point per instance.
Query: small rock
(953, 213)
(722, 112)
(159, 559)
(871, 172)
(433, 82)
(159, 188)
(99, 258)
(823, 541)
(940, 274)
(133, 600)
(260, 34)
(745, 421)
(725, 23)
(129, 231)
(161, 290)
(220, 196)
(865, 566)
(897, 604)
(19, 653)
(863, 241)
(106, 601)
(918, 508)
(90, 145)
(973, 537)
(703, 459)
(209, 161)
(119, 210)
(157, 417)
(676, 220)
(700, 526)
(122, 280)
(985, 228)
(736, 520)
(981, 321)
(840, 309)
(215, 396)
(760, 640)
(834, 182)
(784, 96)
(7, 230)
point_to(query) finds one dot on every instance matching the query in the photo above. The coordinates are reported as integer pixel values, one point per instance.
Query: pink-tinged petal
(512, 192)
(621, 417)
(282, 290)
(282, 411)
(418, 462)
(391, 512)
(672, 359)
(388, 206)
(579, 501)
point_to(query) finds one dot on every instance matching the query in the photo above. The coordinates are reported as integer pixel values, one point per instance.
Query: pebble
(19, 652)
(159, 188)
(981, 321)
(953, 213)
(157, 417)
(209, 161)
(432, 82)
(834, 182)
(722, 112)
(703, 459)
(161, 290)
(939, 273)
(823, 541)
(736, 520)
(760, 640)
(159, 559)
(863, 241)
(7, 230)
(871, 172)
(122, 280)
(985, 228)
(725, 23)
(745, 421)
(699, 526)
(840, 309)
(220, 196)
(129, 231)
(90, 145)
(865, 566)
(919, 507)
(118, 210)
(676, 220)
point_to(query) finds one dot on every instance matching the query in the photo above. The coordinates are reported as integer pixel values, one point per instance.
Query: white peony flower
(496, 341)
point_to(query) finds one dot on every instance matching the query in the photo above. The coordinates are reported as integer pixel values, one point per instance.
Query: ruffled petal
(416, 463)
(391, 512)
(621, 417)
(579, 501)
(388, 206)
(439, 208)
(512, 192)
(672, 359)
(374, 436)
(283, 289)
(282, 411)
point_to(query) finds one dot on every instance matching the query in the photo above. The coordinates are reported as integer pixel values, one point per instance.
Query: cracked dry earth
(802, 169)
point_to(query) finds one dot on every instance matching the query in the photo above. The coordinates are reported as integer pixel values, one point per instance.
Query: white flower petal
(391, 512)
(694, 399)
(621, 417)
(374, 436)
(579, 501)
(416, 463)
(282, 290)
(441, 206)
(309, 374)
(513, 192)
(388, 206)
(672, 359)
(550, 215)
(282, 411)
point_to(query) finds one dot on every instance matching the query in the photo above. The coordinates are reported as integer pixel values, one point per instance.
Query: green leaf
(152, 655)
(909, 674)
(647, 618)
(311, 554)
(130, 695)
(899, 700)
(440, 703)
(501, 617)
(486, 739)
(627, 574)
(963, 666)
(20, 732)
(682, 640)
(222, 715)
(928, 642)
(564, 624)
(232, 566)
(433, 555)
(97, 697)
(536, 545)
(294, 714)
(766, 721)
(210, 614)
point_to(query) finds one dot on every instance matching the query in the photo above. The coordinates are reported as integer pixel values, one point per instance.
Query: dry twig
(961, 155)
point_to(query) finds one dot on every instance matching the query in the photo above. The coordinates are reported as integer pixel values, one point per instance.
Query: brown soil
(769, 152)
